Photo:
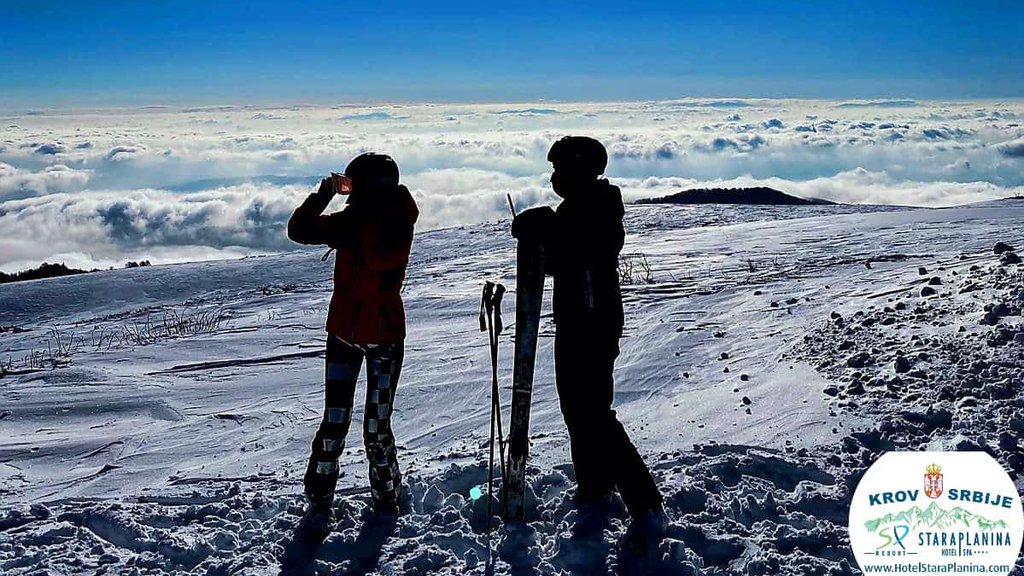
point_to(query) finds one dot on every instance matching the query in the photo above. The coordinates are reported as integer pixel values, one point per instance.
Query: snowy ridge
(160, 447)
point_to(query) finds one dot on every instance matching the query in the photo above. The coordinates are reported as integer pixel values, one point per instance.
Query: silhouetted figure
(366, 320)
(582, 240)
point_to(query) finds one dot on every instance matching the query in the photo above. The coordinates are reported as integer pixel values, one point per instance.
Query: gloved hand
(326, 188)
(533, 224)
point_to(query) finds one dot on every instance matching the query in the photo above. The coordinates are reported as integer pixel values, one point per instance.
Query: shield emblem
(933, 481)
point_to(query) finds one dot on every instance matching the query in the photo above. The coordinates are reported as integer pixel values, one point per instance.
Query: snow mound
(734, 509)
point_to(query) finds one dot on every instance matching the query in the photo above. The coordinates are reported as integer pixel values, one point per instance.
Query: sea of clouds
(97, 188)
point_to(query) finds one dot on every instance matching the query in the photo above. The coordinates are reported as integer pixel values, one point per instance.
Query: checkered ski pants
(383, 366)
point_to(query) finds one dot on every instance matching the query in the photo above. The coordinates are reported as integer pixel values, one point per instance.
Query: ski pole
(490, 320)
(511, 206)
(499, 291)
(486, 324)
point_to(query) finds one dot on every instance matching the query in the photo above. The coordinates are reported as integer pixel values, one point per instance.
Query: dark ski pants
(383, 366)
(602, 454)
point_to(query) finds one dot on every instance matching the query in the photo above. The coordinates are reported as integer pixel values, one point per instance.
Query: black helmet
(372, 171)
(579, 153)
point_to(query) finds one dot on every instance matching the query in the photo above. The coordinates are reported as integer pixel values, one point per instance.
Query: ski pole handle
(499, 291)
(485, 304)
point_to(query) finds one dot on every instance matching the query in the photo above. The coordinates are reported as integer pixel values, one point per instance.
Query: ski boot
(318, 520)
(593, 515)
(646, 531)
(380, 519)
(385, 510)
(391, 506)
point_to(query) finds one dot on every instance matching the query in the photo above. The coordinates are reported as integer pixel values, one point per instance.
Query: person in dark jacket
(366, 320)
(582, 239)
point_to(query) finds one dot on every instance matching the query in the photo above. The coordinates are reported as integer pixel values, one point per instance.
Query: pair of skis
(529, 294)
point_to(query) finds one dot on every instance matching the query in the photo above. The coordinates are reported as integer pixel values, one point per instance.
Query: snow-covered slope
(172, 435)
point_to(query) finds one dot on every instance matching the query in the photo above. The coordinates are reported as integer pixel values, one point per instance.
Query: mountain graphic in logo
(934, 516)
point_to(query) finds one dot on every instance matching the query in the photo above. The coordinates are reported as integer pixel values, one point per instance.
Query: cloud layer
(170, 184)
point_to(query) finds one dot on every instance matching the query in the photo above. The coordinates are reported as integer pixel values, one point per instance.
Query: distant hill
(45, 270)
(759, 195)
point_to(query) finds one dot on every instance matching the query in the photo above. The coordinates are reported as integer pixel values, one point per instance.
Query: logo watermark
(952, 512)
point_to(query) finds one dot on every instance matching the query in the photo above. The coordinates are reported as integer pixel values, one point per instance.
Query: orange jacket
(373, 237)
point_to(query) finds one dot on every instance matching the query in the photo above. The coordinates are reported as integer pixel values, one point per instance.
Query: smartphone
(342, 184)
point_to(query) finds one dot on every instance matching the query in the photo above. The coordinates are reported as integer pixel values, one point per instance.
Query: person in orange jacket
(366, 320)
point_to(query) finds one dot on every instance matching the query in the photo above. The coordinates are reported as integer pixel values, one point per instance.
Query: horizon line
(227, 105)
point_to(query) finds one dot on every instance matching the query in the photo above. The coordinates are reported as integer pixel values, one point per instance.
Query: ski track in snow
(759, 375)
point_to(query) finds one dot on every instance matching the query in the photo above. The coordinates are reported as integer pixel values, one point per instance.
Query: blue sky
(75, 53)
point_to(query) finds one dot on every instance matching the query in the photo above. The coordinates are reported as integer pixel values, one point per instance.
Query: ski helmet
(579, 153)
(372, 171)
